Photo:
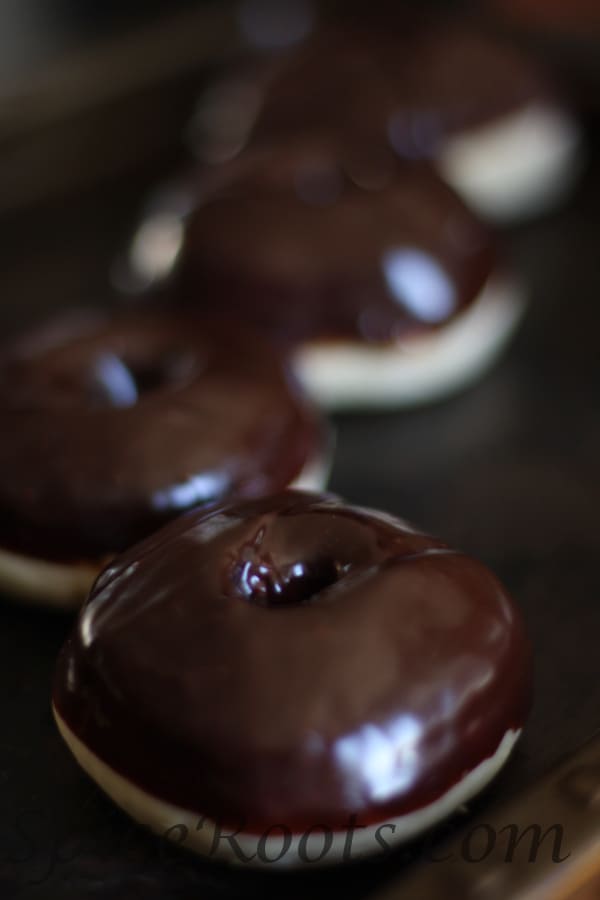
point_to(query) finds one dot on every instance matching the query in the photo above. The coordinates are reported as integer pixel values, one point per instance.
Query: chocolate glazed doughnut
(291, 668)
(380, 278)
(117, 425)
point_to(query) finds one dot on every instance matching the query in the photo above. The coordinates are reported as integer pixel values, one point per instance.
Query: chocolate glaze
(454, 79)
(407, 80)
(309, 246)
(118, 425)
(294, 660)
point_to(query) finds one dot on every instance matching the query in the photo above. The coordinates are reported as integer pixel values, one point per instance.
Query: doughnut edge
(62, 586)
(200, 832)
(350, 375)
(518, 167)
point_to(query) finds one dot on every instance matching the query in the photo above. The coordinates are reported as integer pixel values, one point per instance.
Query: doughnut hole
(118, 381)
(264, 583)
(293, 559)
(95, 373)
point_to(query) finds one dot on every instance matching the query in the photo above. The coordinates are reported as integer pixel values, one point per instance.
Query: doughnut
(372, 272)
(478, 108)
(118, 424)
(320, 681)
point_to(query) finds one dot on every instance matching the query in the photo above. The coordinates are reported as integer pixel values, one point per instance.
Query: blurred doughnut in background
(382, 284)
(377, 90)
(488, 116)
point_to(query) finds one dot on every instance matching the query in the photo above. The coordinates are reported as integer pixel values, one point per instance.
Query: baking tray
(507, 471)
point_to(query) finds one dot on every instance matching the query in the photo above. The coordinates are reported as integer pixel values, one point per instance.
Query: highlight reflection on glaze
(418, 282)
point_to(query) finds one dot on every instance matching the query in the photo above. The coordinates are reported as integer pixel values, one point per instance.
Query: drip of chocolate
(294, 660)
(117, 427)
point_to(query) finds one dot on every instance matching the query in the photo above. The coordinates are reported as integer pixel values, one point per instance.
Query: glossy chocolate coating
(309, 247)
(294, 660)
(117, 425)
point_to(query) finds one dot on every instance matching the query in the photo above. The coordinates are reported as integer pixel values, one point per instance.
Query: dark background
(508, 470)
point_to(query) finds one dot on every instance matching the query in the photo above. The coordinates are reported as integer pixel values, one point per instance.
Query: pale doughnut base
(521, 166)
(66, 585)
(315, 475)
(36, 581)
(353, 375)
(197, 833)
